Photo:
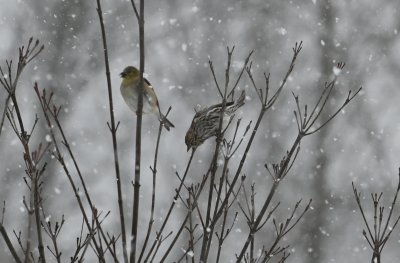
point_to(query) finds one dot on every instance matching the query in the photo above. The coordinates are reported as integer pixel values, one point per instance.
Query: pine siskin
(205, 122)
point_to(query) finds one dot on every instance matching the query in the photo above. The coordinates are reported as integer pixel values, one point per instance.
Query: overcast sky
(360, 145)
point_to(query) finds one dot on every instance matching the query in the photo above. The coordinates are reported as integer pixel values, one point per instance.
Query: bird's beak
(188, 148)
(122, 74)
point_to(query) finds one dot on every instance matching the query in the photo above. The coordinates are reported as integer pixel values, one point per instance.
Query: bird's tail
(236, 104)
(240, 100)
(167, 123)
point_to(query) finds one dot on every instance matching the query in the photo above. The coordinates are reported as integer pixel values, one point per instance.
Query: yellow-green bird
(130, 92)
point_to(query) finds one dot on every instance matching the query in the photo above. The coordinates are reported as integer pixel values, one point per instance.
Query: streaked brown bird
(205, 122)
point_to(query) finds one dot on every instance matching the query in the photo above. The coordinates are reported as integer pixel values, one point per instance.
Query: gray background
(360, 145)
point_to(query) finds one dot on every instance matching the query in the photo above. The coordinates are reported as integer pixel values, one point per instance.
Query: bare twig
(177, 235)
(153, 196)
(3, 116)
(10, 84)
(207, 231)
(138, 145)
(53, 233)
(304, 125)
(173, 203)
(44, 103)
(239, 77)
(113, 134)
(215, 78)
(187, 250)
(378, 238)
(135, 10)
(33, 170)
(9, 244)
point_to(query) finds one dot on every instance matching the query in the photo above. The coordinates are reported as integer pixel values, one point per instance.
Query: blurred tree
(62, 25)
(327, 54)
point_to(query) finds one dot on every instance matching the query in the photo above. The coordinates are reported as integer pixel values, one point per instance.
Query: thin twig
(44, 103)
(3, 116)
(113, 134)
(138, 144)
(153, 196)
(9, 244)
(173, 203)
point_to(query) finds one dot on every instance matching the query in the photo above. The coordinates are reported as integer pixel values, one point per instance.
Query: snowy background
(360, 145)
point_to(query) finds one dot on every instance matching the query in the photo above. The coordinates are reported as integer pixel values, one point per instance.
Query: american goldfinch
(205, 122)
(130, 92)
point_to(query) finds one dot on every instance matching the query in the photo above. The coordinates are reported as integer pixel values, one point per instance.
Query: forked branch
(378, 237)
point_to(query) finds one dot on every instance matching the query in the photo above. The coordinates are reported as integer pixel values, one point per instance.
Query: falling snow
(282, 31)
(359, 145)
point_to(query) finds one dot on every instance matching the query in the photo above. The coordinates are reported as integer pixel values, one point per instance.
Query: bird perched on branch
(205, 123)
(130, 92)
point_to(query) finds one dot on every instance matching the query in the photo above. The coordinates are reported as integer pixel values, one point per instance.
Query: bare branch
(8, 242)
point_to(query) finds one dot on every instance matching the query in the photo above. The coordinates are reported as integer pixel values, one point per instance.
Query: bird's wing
(214, 108)
(230, 106)
(147, 82)
(149, 93)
